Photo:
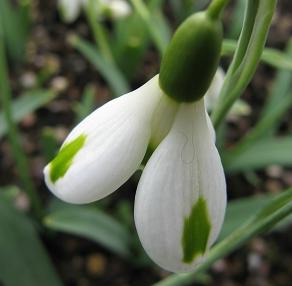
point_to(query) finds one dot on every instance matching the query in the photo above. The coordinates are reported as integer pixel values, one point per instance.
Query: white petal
(119, 8)
(212, 94)
(162, 120)
(69, 9)
(117, 135)
(184, 169)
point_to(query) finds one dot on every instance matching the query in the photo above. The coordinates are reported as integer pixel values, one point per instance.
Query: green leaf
(281, 89)
(9, 192)
(239, 211)
(248, 53)
(25, 104)
(276, 209)
(93, 224)
(15, 22)
(155, 24)
(269, 56)
(86, 106)
(259, 155)
(49, 143)
(23, 259)
(107, 69)
(236, 21)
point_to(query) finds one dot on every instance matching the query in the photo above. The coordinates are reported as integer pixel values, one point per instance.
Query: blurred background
(59, 61)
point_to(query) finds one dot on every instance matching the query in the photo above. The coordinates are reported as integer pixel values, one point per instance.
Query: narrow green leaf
(107, 69)
(156, 31)
(15, 23)
(272, 57)
(86, 106)
(251, 43)
(25, 104)
(282, 87)
(92, 224)
(49, 143)
(23, 259)
(240, 210)
(259, 155)
(236, 21)
(129, 42)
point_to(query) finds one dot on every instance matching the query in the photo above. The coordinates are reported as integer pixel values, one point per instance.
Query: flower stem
(251, 43)
(216, 7)
(14, 138)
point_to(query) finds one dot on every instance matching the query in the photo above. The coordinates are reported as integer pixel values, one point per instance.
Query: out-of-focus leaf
(259, 155)
(129, 44)
(93, 224)
(278, 102)
(25, 104)
(151, 21)
(237, 15)
(239, 211)
(107, 69)
(86, 106)
(269, 56)
(49, 143)
(23, 259)
(9, 192)
(15, 22)
(282, 87)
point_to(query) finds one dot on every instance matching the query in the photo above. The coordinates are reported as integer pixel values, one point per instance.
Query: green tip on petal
(196, 231)
(60, 165)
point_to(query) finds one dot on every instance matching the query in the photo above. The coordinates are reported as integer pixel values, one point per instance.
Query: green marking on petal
(196, 231)
(62, 162)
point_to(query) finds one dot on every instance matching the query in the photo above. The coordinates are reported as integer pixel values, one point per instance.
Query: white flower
(181, 197)
(70, 9)
(111, 143)
(116, 9)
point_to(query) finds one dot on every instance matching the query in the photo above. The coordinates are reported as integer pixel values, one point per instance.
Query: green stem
(14, 138)
(216, 7)
(99, 33)
(248, 53)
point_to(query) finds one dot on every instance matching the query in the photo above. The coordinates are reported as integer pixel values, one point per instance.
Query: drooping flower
(181, 197)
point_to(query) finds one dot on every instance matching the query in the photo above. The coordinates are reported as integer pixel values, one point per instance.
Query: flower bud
(191, 58)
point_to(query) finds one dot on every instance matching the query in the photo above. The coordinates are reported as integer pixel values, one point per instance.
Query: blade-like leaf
(23, 259)
(269, 56)
(239, 211)
(107, 69)
(92, 224)
(25, 104)
(259, 155)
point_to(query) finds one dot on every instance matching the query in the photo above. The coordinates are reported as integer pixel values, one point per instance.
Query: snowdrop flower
(181, 197)
(116, 9)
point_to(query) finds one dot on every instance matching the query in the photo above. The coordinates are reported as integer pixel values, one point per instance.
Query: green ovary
(196, 231)
(62, 162)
